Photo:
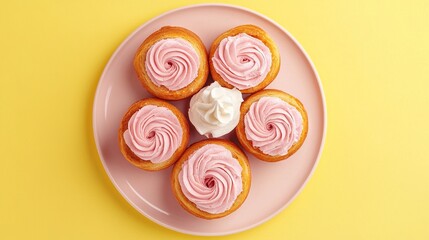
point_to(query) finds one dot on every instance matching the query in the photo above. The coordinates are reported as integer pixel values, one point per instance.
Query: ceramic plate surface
(274, 185)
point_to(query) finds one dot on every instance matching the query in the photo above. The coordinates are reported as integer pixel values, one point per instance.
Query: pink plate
(149, 192)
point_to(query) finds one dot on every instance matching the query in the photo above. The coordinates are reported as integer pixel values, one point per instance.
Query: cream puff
(214, 110)
(211, 179)
(245, 58)
(172, 63)
(273, 125)
(153, 134)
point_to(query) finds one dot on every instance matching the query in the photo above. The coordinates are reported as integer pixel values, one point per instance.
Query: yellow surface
(372, 181)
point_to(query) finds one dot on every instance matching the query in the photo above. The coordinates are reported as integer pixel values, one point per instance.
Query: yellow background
(373, 178)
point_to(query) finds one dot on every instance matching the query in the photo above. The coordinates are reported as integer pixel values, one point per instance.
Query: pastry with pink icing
(273, 125)
(211, 179)
(245, 58)
(153, 134)
(172, 63)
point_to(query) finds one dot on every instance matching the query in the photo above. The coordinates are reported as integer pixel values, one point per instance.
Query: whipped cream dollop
(273, 125)
(242, 61)
(211, 178)
(154, 133)
(215, 110)
(172, 63)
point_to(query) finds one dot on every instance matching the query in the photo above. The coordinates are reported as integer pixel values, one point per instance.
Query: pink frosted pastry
(245, 58)
(153, 134)
(273, 125)
(211, 179)
(172, 63)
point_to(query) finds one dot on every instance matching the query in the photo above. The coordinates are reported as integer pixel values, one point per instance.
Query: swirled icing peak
(273, 125)
(172, 63)
(211, 178)
(154, 133)
(215, 110)
(242, 61)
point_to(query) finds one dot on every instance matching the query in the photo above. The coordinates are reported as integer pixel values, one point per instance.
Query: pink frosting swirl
(273, 125)
(211, 178)
(172, 63)
(154, 133)
(242, 61)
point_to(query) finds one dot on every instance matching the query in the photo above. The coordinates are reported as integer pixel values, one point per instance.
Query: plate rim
(118, 50)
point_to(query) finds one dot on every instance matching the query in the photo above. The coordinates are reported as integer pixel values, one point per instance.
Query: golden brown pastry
(245, 58)
(153, 134)
(273, 125)
(172, 63)
(211, 179)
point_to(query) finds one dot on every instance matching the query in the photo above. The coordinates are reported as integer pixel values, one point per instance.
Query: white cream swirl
(215, 110)
(172, 63)
(154, 133)
(273, 125)
(211, 178)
